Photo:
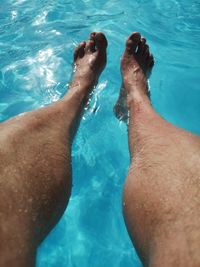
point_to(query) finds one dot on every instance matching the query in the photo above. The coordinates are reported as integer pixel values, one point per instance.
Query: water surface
(37, 39)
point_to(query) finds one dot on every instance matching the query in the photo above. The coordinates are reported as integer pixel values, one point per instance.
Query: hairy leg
(161, 193)
(35, 166)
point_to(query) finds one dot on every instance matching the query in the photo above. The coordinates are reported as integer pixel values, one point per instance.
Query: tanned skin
(161, 195)
(35, 165)
(161, 198)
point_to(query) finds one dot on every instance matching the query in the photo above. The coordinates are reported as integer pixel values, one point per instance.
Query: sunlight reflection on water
(37, 39)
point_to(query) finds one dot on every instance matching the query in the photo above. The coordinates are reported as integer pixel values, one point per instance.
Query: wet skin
(161, 198)
(161, 194)
(35, 166)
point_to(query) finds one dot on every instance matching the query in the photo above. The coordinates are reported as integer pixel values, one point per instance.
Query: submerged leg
(161, 194)
(35, 166)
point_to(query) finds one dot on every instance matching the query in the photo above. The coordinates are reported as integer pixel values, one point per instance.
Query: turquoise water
(36, 43)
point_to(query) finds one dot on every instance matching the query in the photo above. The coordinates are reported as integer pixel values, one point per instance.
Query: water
(36, 43)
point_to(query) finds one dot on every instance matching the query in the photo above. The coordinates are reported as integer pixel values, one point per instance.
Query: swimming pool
(36, 43)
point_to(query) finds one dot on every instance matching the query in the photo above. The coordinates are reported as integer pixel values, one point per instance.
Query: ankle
(79, 90)
(137, 102)
(86, 81)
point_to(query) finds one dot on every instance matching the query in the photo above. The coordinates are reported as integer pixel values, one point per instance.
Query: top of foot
(137, 61)
(90, 60)
(136, 66)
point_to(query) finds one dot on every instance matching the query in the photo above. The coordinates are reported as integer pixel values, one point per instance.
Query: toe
(92, 35)
(90, 46)
(132, 42)
(151, 61)
(76, 51)
(146, 51)
(100, 40)
(79, 51)
(141, 46)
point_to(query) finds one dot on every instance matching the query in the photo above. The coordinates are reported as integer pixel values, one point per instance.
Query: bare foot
(89, 61)
(136, 66)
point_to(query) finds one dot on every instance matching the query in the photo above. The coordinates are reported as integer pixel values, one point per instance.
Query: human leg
(35, 166)
(162, 187)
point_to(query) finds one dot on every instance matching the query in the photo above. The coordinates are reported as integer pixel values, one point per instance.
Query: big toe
(100, 40)
(132, 42)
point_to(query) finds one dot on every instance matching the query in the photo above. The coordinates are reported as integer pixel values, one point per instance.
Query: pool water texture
(37, 39)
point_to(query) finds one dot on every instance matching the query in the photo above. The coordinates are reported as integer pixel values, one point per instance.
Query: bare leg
(35, 166)
(161, 194)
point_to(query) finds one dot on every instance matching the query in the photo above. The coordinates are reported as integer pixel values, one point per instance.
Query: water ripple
(37, 39)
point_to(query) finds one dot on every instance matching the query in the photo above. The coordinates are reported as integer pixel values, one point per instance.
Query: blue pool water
(36, 43)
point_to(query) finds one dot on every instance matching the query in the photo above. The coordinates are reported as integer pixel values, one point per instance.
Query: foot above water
(136, 66)
(136, 59)
(89, 60)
